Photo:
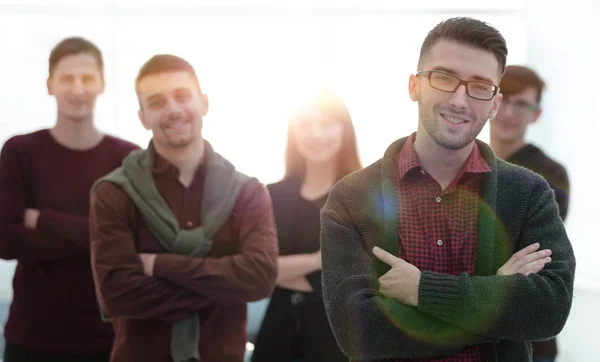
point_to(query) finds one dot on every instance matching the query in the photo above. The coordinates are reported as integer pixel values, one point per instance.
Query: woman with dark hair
(321, 149)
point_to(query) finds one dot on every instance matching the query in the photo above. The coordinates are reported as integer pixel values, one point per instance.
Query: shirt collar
(408, 159)
(162, 166)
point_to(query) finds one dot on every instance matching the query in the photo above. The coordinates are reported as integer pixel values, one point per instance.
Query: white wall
(579, 340)
(562, 43)
(562, 46)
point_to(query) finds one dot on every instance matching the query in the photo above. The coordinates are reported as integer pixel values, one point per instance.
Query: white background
(257, 58)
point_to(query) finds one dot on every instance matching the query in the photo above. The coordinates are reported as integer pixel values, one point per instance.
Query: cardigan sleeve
(514, 307)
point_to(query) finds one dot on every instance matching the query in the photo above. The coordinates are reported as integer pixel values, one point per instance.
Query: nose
(317, 129)
(174, 110)
(459, 98)
(77, 86)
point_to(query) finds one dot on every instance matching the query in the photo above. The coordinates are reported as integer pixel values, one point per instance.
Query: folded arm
(73, 228)
(123, 288)
(17, 241)
(515, 307)
(246, 276)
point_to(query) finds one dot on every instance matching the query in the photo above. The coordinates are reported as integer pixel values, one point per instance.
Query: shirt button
(440, 243)
(189, 224)
(438, 199)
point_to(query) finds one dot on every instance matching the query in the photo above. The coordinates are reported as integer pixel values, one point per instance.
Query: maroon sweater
(241, 266)
(54, 308)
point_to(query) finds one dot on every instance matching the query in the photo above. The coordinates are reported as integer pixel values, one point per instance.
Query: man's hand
(30, 218)
(317, 259)
(148, 263)
(526, 261)
(402, 281)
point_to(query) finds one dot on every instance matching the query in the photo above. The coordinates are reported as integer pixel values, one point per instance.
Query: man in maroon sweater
(45, 178)
(180, 240)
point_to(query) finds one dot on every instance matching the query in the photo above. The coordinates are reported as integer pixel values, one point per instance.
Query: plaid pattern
(438, 228)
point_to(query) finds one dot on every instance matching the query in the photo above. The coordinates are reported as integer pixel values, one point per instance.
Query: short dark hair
(467, 31)
(72, 46)
(517, 78)
(164, 63)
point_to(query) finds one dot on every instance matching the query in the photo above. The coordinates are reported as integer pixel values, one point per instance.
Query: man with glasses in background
(522, 89)
(440, 251)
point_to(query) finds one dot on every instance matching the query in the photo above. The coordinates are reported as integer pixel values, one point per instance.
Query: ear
(142, 119)
(205, 103)
(495, 106)
(103, 84)
(49, 86)
(537, 115)
(413, 87)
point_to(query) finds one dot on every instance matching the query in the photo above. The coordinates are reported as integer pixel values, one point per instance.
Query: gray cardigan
(502, 312)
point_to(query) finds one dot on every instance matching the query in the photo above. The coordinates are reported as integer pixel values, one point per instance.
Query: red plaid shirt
(438, 228)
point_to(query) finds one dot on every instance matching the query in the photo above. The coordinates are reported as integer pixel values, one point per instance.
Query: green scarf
(222, 185)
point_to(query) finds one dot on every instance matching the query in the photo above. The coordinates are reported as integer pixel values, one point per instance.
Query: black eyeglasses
(445, 82)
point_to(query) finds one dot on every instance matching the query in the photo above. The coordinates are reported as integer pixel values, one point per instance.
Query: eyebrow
(183, 89)
(153, 97)
(158, 95)
(473, 77)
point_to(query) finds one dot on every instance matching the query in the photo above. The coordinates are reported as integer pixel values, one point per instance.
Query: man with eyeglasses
(522, 89)
(440, 251)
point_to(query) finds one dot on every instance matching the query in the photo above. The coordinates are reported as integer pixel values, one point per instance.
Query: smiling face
(516, 113)
(76, 82)
(318, 135)
(172, 107)
(453, 120)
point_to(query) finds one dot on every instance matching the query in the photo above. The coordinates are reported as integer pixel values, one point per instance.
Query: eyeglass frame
(427, 74)
(520, 107)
